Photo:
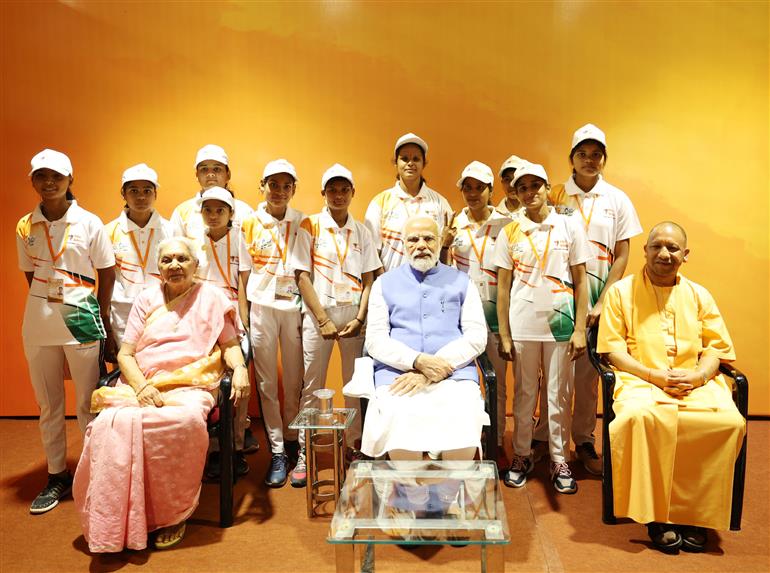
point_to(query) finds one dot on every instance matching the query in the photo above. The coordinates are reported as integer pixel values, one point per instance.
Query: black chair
(220, 425)
(607, 375)
(489, 380)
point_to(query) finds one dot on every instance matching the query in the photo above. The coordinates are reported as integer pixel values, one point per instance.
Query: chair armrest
(487, 370)
(246, 348)
(110, 379)
(740, 387)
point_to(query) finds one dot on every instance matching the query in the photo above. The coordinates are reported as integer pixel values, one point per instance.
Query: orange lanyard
(590, 214)
(56, 257)
(276, 240)
(541, 260)
(479, 256)
(225, 276)
(142, 260)
(403, 203)
(340, 258)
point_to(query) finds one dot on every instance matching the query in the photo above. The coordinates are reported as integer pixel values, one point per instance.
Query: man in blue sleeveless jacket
(425, 328)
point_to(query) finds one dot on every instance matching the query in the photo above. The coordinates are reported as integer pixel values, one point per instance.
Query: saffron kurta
(672, 459)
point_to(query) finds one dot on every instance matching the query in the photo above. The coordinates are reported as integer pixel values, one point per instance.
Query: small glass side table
(419, 503)
(318, 428)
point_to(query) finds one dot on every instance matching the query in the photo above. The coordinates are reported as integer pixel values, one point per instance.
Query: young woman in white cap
(275, 320)
(212, 169)
(509, 205)
(218, 265)
(135, 235)
(541, 259)
(610, 220)
(470, 247)
(64, 253)
(334, 260)
(388, 211)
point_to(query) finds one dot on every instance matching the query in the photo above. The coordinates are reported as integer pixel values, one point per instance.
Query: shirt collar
(328, 222)
(268, 220)
(72, 215)
(526, 224)
(128, 225)
(421, 276)
(572, 189)
(462, 220)
(401, 194)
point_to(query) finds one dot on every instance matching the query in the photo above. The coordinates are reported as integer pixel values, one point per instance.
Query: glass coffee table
(324, 431)
(419, 503)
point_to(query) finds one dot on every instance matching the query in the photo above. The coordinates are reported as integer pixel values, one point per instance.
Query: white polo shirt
(503, 209)
(473, 252)
(186, 220)
(266, 250)
(218, 263)
(607, 215)
(388, 212)
(336, 258)
(64, 256)
(542, 306)
(136, 256)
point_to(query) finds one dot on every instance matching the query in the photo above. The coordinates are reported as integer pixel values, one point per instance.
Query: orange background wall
(680, 89)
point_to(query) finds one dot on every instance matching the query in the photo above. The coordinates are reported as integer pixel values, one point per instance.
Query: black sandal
(664, 536)
(694, 539)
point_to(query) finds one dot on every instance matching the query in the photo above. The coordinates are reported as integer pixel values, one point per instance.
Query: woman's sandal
(694, 539)
(176, 539)
(664, 536)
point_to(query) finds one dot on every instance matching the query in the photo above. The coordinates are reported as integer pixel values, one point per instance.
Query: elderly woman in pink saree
(143, 456)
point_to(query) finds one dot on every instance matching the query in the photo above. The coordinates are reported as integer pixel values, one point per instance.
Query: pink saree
(141, 467)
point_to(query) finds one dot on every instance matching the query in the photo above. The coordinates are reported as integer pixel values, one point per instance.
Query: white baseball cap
(220, 194)
(336, 170)
(279, 166)
(211, 151)
(527, 168)
(477, 170)
(51, 159)
(411, 138)
(588, 131)
(513, 162)
(140, 172)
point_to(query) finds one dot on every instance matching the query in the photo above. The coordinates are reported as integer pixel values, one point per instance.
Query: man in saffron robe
(677, 432)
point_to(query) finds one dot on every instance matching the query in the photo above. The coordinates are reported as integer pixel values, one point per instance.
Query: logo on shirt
(564, 210)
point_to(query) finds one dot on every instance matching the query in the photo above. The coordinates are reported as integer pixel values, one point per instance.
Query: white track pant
(501, 367)
(584, 409)
(46, 372)
(317, 352)
(269, 328)
(558, 378)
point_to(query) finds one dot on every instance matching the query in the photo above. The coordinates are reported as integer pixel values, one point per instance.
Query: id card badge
(285, 287)
(343, 294)
(55, 290)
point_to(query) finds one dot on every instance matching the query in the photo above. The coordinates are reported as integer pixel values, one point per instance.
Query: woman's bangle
(239, 366)
(142, 389)
(359, 320)
(649, 375)
(324, 321)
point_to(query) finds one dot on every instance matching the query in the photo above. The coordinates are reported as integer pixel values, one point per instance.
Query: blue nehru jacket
(425, 311)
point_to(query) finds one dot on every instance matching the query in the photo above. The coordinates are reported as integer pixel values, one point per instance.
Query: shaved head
(668, 226)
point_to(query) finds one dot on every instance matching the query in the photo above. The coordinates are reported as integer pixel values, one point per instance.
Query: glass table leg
(367, 558)
(343, 556)
(492, 559)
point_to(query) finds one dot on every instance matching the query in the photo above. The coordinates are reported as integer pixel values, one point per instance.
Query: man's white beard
(423, 264)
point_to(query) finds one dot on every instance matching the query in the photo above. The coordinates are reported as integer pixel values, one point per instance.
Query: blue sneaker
(521, 466)
(278, 472)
